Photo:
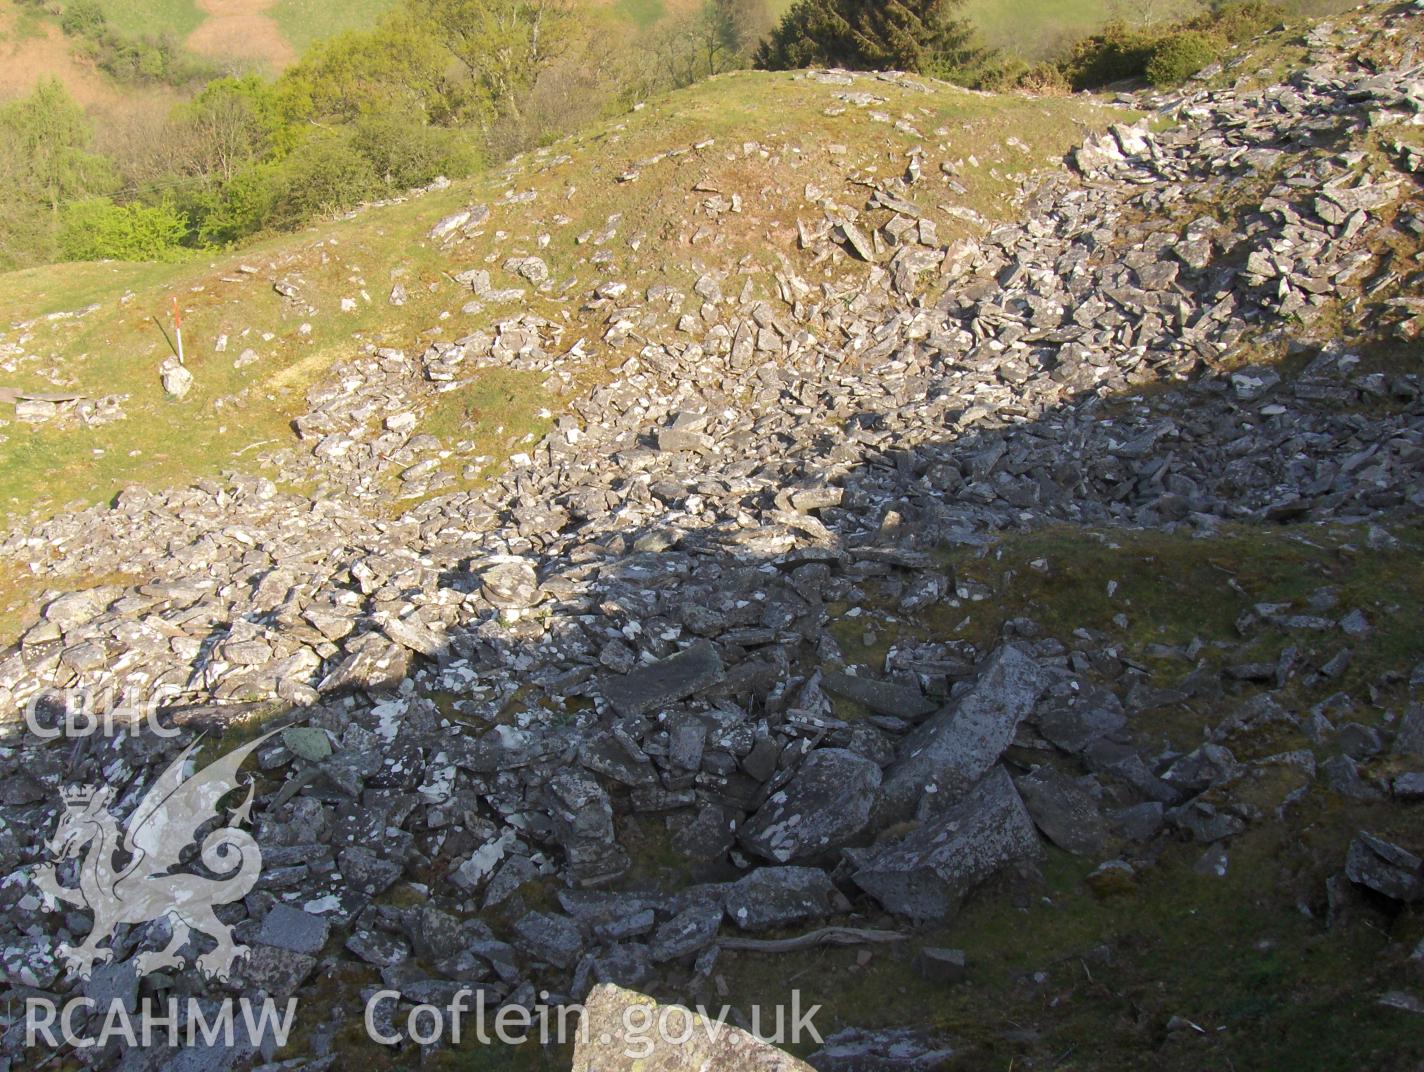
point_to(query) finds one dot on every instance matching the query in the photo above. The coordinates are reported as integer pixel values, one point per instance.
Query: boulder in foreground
(610, 1040)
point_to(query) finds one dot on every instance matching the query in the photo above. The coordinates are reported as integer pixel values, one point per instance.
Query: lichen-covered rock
(825, 805)
(943, 758)
(895, 1050)
(779, 896)
(624, 1031)
(927, 874)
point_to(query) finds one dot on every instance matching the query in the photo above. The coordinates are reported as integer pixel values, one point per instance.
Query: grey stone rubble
(633, 619)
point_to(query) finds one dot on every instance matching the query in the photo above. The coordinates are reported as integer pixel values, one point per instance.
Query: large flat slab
(639, 691)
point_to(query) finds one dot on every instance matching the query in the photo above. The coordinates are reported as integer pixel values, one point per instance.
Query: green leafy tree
(909, 35)
(1240, 20)
(53, 140)
(1180, 55)
(324, 174)
(96, 229)
(401, 63)
(46, 160)
(242, 207)
(82, 18)
(405, 152)
(1116, 53)
(230, 125)
(812, 33)
(502, 45)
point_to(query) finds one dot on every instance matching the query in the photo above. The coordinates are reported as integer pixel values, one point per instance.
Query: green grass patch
(1061, 978)
(1036, 31)
(29, 24)
(153, 17)
(304, 22)
(1145, 590)
(1039, 31)
(642, 13)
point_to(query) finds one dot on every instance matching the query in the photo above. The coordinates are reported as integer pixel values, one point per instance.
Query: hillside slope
(812, 501)
(90, 330)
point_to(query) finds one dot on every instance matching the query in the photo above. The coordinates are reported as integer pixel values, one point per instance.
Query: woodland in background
(442, 87)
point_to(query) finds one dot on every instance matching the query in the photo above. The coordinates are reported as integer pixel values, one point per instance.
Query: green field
(642, 13)
(1033, 28)
(1040, 29)
(154, 17)
(305, 21)
(301, 21)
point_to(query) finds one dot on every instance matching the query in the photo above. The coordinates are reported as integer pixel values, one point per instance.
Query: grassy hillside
(179, 17)
(1036, 29)
(116, 346)
(1039, 29)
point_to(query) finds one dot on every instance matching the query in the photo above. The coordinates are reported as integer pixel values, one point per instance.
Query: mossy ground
(1180, 969)
(1063, 977)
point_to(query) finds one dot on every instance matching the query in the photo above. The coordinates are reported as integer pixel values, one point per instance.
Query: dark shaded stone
(941, 965)
(691, 670)
(1063, 810)
(292, 929)
(1385, 868)
(927, 874)
(824, 805)
(944, 757)
(882, 697)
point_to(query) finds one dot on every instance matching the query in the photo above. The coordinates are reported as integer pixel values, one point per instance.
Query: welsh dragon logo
(132, 877)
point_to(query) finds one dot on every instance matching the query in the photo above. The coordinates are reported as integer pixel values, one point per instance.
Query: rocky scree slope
(644, 622)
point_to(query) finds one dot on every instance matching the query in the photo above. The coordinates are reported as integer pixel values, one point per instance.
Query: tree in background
(502, 45)
(402, 63)
(230, 125)
(922, 36)
(52, 138)
(751, 23)
(720, 35)
(83, 18)
(1151, 12)
(812, 33)
(595, 74)
(46, 160)
(406, 151)
(325, 173)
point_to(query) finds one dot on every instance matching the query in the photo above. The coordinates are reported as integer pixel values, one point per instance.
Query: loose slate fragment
(950, 752)
(882, 697)
(690, 671)
(825, 805)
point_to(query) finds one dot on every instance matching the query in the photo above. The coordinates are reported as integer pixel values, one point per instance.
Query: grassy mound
(91, 328)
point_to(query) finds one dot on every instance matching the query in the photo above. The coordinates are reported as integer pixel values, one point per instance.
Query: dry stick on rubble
(824, 936)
